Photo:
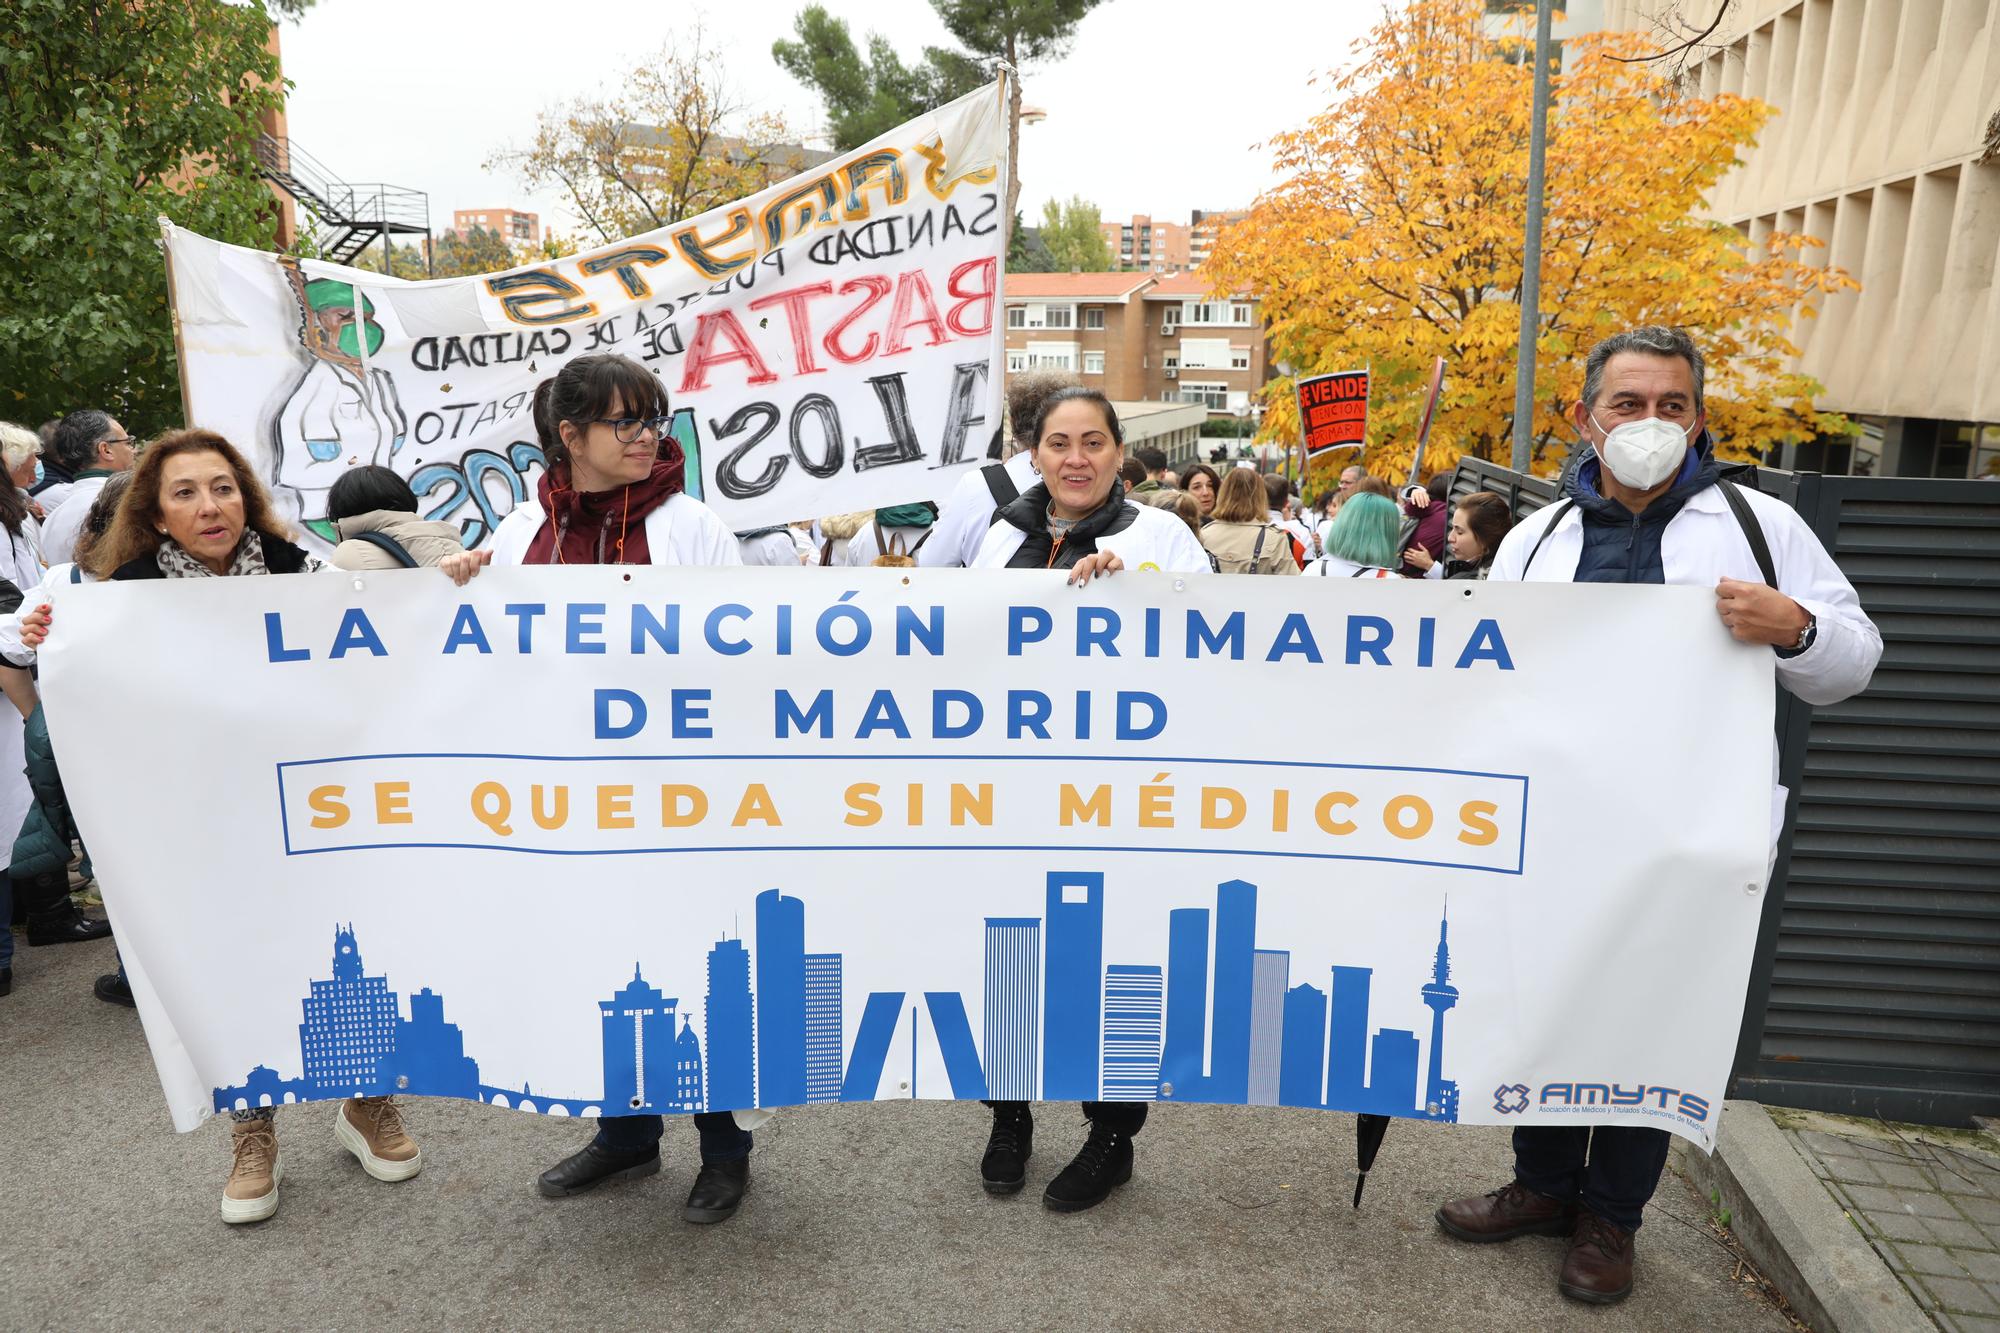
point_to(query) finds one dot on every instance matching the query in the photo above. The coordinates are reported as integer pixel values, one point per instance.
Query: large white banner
(585, 842)
(830, 344)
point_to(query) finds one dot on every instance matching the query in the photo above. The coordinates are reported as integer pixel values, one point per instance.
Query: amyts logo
(1515, 1098)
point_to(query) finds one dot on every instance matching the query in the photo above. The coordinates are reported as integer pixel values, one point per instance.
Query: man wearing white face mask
(1649, 506)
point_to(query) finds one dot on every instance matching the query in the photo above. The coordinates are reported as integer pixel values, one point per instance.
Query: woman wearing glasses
(608, 497)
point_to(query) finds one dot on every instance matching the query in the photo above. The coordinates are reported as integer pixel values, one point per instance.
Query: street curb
(1794, 1230)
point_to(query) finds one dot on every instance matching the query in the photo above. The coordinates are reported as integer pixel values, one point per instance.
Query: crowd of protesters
(87, 503)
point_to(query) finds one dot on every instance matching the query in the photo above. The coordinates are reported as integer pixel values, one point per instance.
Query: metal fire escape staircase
(349, 218)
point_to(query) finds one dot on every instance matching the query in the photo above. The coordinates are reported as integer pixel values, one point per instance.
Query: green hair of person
(1365, 531)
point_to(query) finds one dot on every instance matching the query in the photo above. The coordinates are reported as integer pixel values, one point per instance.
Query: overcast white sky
(1157, 109)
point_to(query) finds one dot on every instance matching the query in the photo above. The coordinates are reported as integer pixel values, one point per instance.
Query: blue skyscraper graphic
(1013, 1032)
(728, 1018)
(1134, 1005)
(1235, 962)
(430, 1059)
(687, 1069)
(1270, 973)
(823, 1033)
(1073, 969)
(641, 1076)
(1392, 1073)
(1185, 1052)
(781, 999)
(349, 1028)
(1347, 1043)
(1305, 1047)
(1440, 1093)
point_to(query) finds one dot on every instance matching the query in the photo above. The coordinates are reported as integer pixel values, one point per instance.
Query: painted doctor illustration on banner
(830, 344)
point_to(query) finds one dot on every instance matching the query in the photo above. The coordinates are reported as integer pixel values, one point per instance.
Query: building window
(1059, 317)
(1093, 363)
(1016, 361)
(1093, 317)
(1215, 397)
(1239, 314)
(1017, 317)
(1239, 358)
(1170, 322)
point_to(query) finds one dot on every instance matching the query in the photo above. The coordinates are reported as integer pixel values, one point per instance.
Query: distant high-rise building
(781, 999)
(1440, 995)
(1392, 1073)
(510, 224)
(1012, 1044)
(640, 1072)
(1185, 1053)
(1235, 950)
(350, 1025)
(823, 1029)
(1134, 1004)
(1073, 967)
(1270, 974)
(1303, 1066)
(729, 1018)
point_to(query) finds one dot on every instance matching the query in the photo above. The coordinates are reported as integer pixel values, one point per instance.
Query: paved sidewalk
(1928, 1200)
(858, 1217)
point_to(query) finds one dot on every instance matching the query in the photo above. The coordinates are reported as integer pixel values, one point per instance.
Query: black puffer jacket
(1029, 511)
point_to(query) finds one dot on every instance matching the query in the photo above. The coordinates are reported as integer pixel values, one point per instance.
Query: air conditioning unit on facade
(1169, 330)
(1172, 373)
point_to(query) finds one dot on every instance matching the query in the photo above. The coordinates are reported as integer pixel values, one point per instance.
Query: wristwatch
(1806, 635)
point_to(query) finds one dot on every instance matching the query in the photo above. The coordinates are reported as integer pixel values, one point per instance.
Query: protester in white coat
(1648, 506)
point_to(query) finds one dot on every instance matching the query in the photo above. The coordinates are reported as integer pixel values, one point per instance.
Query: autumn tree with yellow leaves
(1397, 235)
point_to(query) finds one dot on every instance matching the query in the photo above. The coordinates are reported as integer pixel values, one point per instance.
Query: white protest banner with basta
(591, 841)
(830, 344)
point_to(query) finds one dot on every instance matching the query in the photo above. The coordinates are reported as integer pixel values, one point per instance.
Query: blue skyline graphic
(1222, 1021)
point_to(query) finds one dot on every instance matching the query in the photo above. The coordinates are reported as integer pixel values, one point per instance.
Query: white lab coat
(1702, 545)
(967, 513)
(683, 531)
(1154, 540)
(65, 524)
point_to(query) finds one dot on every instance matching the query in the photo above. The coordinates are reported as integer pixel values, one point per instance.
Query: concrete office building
(1885, 146)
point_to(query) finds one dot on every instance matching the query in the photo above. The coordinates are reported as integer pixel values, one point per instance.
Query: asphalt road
(858, 1217)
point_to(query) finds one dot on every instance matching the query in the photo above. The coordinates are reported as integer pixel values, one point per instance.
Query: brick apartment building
(1140, 336)
(1148, 245)
(511, 224)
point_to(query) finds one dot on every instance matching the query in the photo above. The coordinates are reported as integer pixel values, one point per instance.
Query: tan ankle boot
(372, 1129)
(252, 1192)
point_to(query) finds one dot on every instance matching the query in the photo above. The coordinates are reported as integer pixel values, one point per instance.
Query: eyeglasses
(116, 439)
(628, 429)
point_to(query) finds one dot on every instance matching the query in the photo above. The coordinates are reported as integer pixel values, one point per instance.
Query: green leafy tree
(868, 97)
(1025, 251)
(882, 93)
(114, 113)
(1070, 233)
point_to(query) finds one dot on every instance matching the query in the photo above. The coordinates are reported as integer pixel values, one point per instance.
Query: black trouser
(1125, 1118)
(40, 897)
(1611, 1170)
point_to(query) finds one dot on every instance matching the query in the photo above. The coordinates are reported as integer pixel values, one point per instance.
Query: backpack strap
(921, 540)
(1753, 531)
(1257, 551)
(1559, 508)
(1001, 483)
(76, 573)
(826, 553)
(396, 551)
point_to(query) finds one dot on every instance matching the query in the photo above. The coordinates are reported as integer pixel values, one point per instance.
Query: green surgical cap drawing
(326, 294)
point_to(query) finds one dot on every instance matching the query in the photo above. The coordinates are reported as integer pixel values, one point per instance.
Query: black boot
(594, 1166)
(66, 926)
(111, 989)
(1008, 1147)
(6, 981)
(1104, 1164)
(718, 1191)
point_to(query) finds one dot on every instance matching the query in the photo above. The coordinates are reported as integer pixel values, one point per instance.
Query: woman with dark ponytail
(611, 495)
(608, 497)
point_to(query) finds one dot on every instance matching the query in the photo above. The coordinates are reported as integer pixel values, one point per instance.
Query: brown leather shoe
(1598, 1268)
(1510, 1211)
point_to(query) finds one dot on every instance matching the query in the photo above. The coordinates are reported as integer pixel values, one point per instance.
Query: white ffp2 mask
(1642, 454)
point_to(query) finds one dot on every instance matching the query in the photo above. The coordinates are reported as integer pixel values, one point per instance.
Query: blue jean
(721, 1140)
(1612, 1169)
(6, 917)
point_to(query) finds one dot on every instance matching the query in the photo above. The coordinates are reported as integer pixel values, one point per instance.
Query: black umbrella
(1368, 1133)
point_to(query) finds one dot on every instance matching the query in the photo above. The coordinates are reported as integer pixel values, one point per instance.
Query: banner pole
(174, 316)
